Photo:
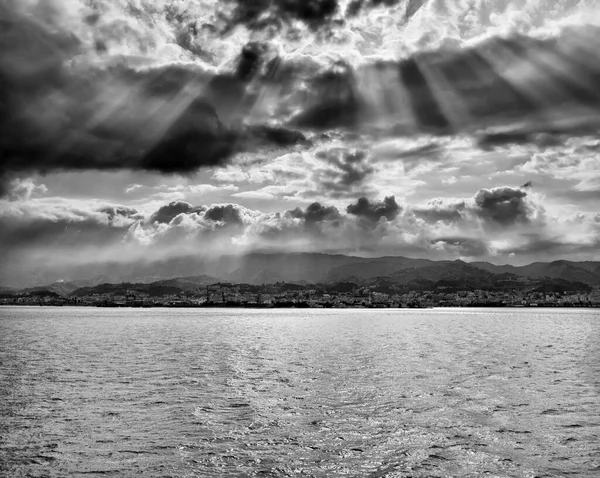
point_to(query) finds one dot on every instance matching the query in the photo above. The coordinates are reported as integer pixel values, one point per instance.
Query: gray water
(307, 393)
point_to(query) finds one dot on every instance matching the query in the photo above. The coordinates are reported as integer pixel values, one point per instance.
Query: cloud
(58, 114)
(73, 96)
(478, 88)
(226, 214)
(504, 206)
(276, 135)
(465, 246)
(334, 102)
(120, 216)
(48, 234)
(442, 210)
(322, 173)
(576, 162)
(199, 189)
(259, 195)
(257, 15)
(412, 6)
(347, 168)
(546, 247)
(495, 209)
(315, 213)
(167, 213)
(351, 96)
(23, 189)
(64, 109)
(180, 228)
(374, 211)
(47, 223)
(132, 187)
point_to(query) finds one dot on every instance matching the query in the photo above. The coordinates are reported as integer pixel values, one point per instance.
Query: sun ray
(565, 70)
(447, 94)
(386, 95)
(425, 103)
(525, 77)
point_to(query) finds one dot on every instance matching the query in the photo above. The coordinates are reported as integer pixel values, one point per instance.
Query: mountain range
(312, 268)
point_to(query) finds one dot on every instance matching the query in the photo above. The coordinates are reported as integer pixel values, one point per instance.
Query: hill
(187, 273)
(586, 272)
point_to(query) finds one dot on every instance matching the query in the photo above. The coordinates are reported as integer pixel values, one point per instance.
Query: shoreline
(283, 306)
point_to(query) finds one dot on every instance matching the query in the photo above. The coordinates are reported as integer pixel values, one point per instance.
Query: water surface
(315, 393)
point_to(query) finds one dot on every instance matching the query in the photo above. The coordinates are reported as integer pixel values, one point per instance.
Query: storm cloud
(61, 109)
(260, 14)
(495, 207)
(374, 211)
(504, 205)
(67, 104)
(57, 116)
(167, 213)
(312, 104)
(315, 213)
(226, 214)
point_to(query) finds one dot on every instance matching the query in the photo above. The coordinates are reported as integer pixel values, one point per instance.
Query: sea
(374, 393)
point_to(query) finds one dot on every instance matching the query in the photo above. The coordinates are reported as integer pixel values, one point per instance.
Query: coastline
(309, 306)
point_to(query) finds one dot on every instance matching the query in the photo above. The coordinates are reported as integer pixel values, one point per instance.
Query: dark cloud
(504, 205)
(412, 6)
(487, 140)
(500, 206)
(334, 100)
(564, 74)
(165, 214)
(260, 14)
(315, 213)
(59, 111)
(228, 214)
(374, 211)
(251, 59)
(350, 168)
(439, 80)
(528, 184)
(425, 106)
(278, 136)
(55, 114)
(114, 213)
(230, 93)
(63, 109)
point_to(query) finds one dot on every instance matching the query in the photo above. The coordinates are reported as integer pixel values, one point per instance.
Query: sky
(443, 129)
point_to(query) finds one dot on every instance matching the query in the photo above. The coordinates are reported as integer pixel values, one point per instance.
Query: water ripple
(317, 393)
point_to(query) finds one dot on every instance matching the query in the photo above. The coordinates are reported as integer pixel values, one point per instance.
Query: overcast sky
(425, 128)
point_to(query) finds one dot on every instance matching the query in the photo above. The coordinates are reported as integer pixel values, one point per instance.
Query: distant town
(321, 280)
(286, 295)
